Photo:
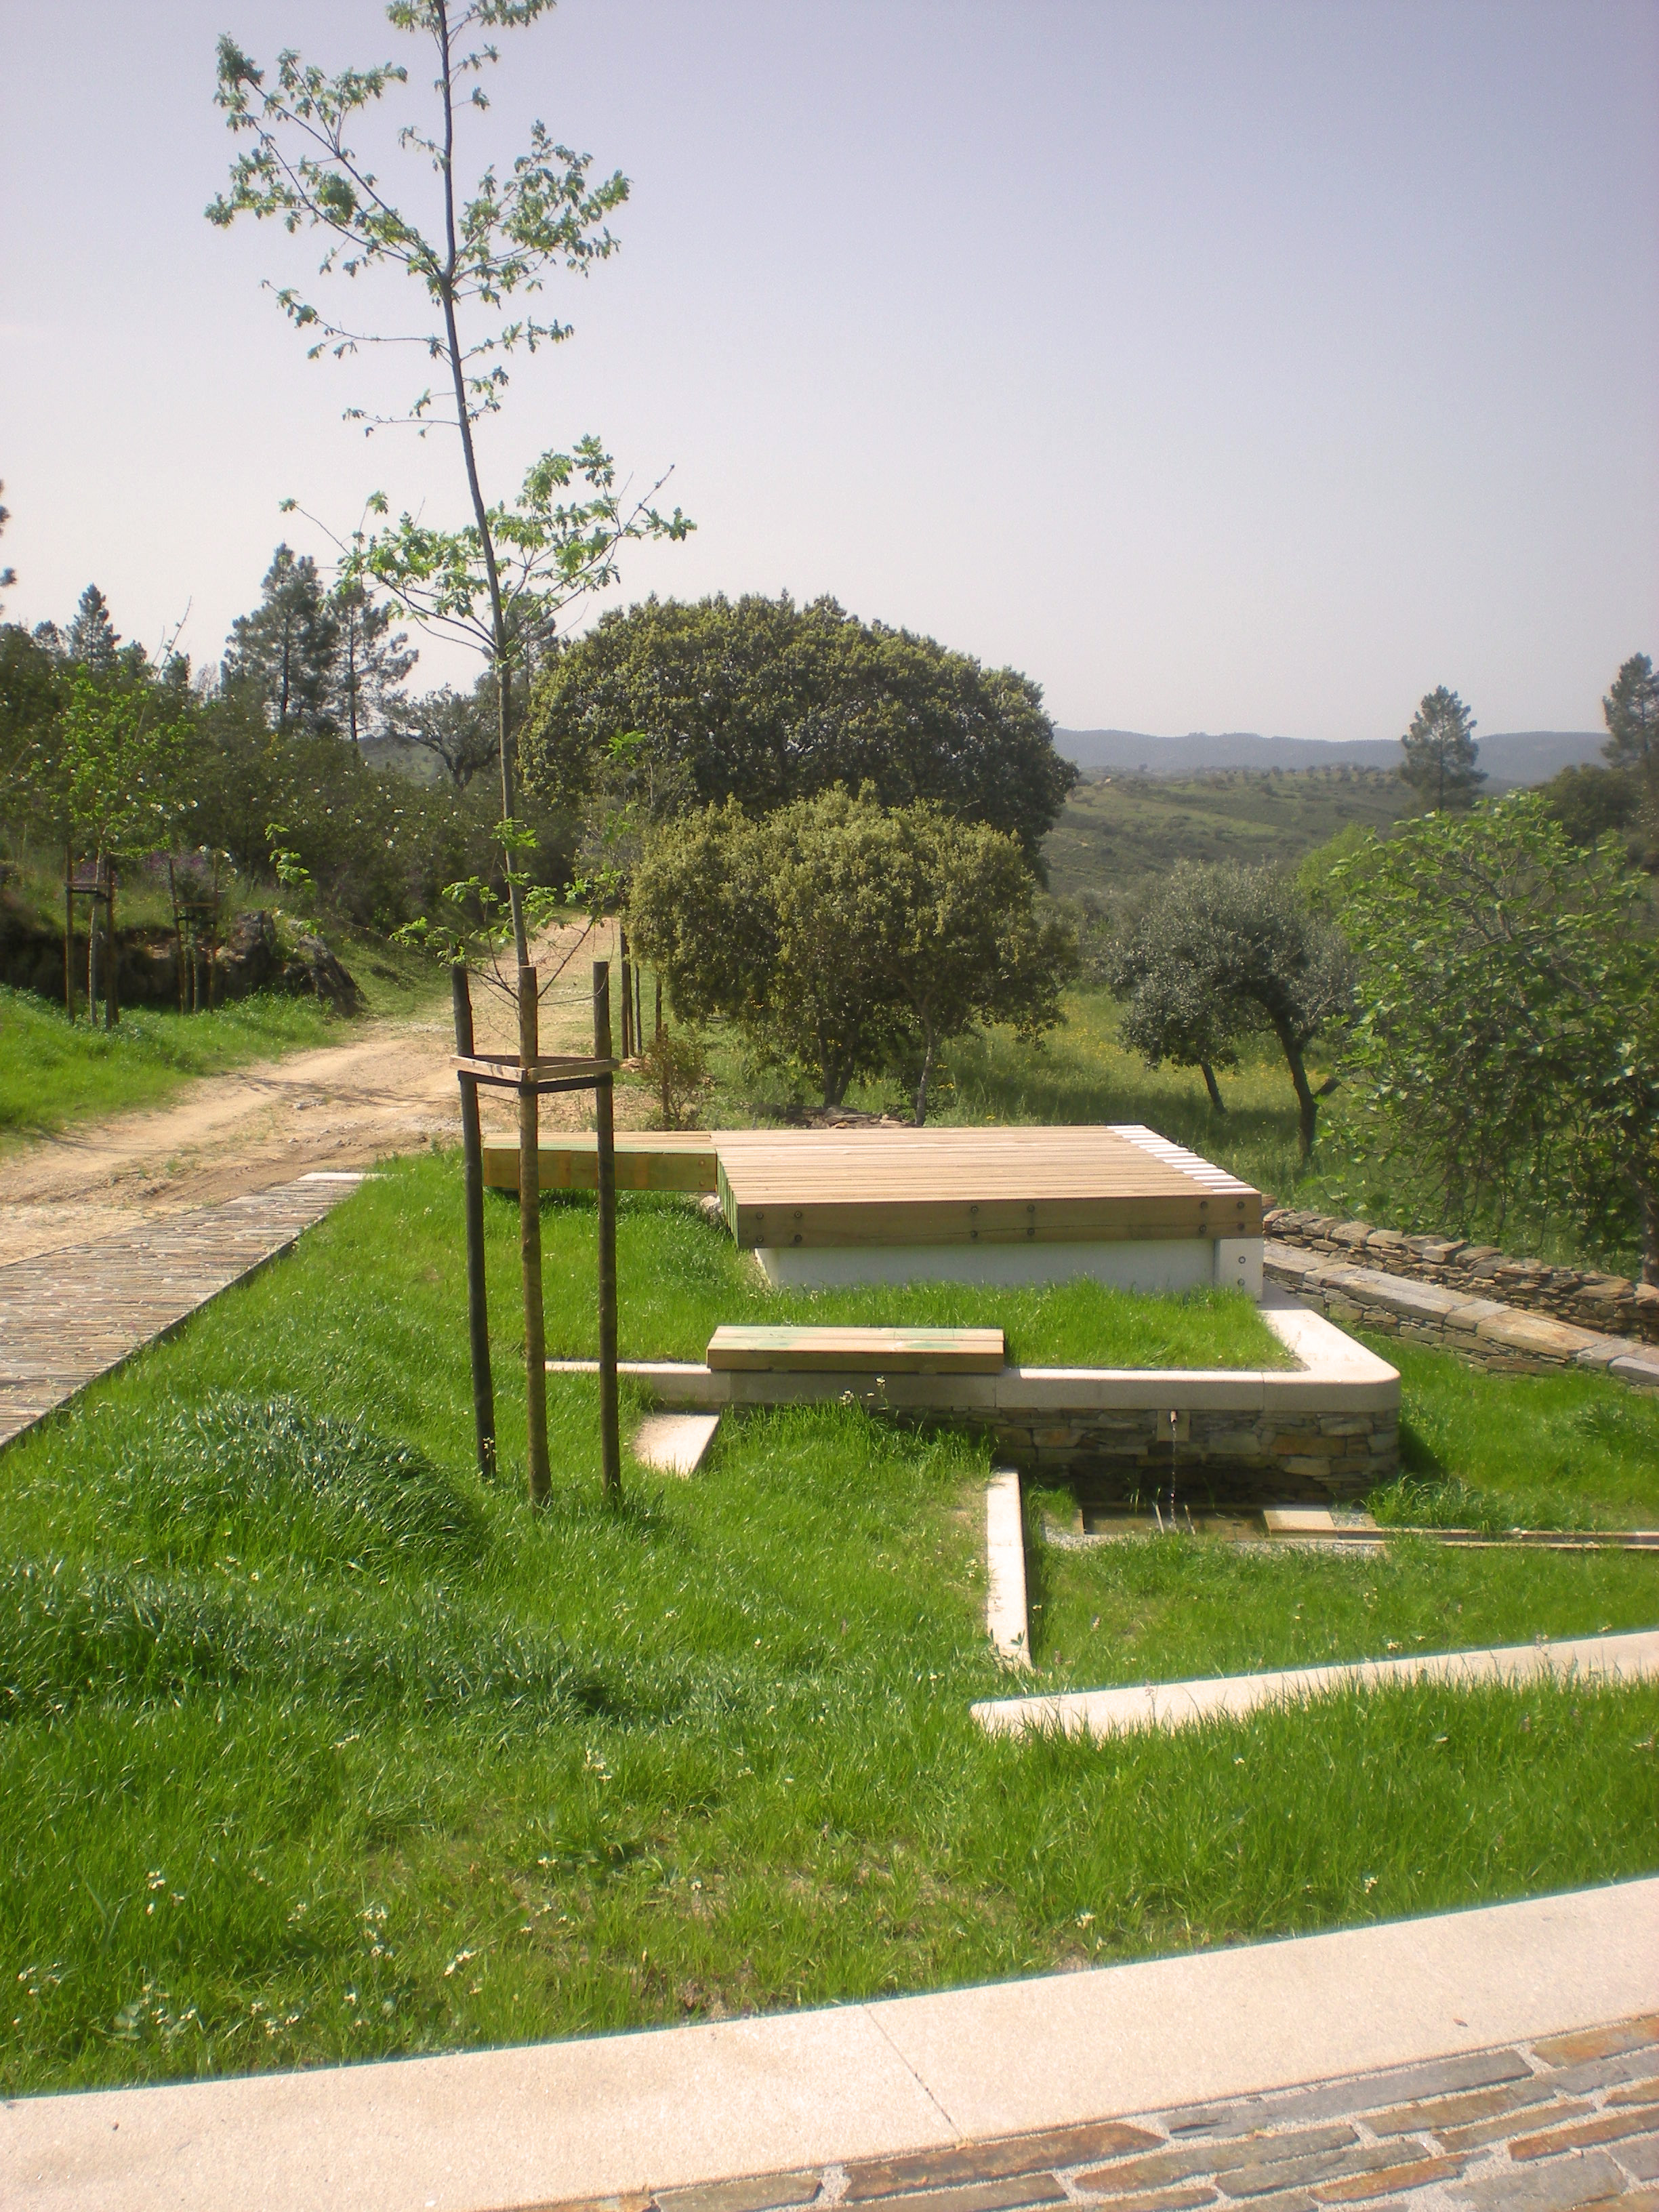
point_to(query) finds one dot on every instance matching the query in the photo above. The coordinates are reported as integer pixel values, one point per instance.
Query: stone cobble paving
(1566, 2122)
(67, 1317)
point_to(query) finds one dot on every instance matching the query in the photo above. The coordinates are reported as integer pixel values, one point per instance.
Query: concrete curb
(1006, 1616)
(1600, 1659)
(486, 2130)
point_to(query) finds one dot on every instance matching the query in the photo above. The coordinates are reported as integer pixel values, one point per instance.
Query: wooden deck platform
(793, 1188)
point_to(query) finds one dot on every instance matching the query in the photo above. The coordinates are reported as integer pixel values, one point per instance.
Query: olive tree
(1225, 953)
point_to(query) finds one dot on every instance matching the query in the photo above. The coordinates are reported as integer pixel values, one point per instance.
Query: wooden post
(477, 1305)
(610, 1435)
(627, 994)
(69, 931)
(530, 1241)
(92, 945)
(112, 1008)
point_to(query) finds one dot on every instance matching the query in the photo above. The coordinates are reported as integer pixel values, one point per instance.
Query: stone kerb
(1611, 1305)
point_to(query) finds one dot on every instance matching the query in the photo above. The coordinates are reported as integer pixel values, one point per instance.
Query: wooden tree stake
(610, 1434)
(478, 1306)
(530, 1239)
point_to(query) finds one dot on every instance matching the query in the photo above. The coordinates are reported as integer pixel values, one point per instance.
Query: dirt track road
(388, 1087)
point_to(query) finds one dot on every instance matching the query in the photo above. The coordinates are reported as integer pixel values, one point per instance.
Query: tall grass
(315, 1746)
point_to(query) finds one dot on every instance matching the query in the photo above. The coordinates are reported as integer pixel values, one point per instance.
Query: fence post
(530, 1239)
(478, 1306)
(609, 1436)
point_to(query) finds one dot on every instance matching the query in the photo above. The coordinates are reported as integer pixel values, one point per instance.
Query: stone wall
(1483, 1331)
(1305, 1458)
(1611, 1304)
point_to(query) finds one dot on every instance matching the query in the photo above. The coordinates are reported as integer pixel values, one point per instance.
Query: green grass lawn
(684, 1276)
(315, 1747)
(54, 1070)
(1478, 1450)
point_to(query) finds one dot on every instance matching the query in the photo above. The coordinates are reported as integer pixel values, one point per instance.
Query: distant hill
(1509, 756)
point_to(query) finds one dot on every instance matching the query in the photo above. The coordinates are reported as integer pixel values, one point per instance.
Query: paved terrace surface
(67, 1317)
(1504, 2057)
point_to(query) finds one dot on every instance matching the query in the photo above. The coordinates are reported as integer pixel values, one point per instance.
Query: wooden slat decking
(670, 1159)
(765, 1349)
(68, 1317)
(972, 1186)
(884, 1186)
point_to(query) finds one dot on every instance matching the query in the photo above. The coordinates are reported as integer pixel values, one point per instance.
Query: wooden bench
(653, 1159)
(858, 1351)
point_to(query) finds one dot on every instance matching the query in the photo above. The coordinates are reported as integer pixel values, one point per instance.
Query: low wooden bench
(652, 1159)
(858, 1351)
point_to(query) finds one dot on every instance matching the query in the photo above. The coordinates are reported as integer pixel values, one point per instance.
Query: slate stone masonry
(1611, 1304)
(1312, 1458)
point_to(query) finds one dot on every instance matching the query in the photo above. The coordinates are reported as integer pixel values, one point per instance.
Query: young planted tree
(1226, 953)
(106, 772)
(502, 580)
(844, 939)
(1440, 752)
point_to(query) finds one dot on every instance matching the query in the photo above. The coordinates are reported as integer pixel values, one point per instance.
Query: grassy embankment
(54, 1071)
(315, 1747)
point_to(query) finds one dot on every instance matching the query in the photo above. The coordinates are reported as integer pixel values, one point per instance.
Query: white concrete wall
(1171, 1263)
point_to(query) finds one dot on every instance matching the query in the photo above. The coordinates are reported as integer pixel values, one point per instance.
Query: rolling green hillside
(1120, 834)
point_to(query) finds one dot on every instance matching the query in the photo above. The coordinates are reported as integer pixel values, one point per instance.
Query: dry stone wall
(1611, 1304)
(1483, 1331)
(1307, 1458)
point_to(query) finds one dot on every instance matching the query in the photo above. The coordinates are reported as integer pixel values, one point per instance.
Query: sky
(1221, 367)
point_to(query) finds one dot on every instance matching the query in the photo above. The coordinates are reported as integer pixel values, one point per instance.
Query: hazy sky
(1221, 367)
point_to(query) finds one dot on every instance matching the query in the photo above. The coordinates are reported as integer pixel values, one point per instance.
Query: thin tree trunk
(1213, 1086)
(609, 1432)
(926, 1077)
(530, 1238)
(69, 931)
(627, 1047)
(1307, 1106)
(656, 1030)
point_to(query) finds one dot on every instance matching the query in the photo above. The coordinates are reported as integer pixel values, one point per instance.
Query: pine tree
(286, 650)
(1440, 752)
(1631, 710)
(369, 665)
(93, 640)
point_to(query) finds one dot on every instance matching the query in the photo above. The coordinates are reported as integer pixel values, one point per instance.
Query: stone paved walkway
(1565, 2121)
(67, 1317)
